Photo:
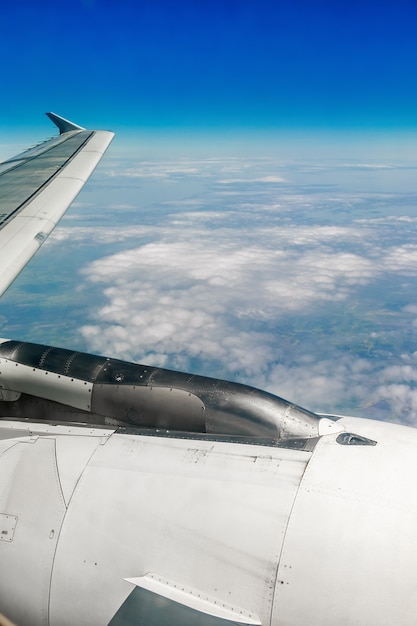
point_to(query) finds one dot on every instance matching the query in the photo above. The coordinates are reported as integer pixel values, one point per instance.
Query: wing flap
(36, 189)
(195, 599)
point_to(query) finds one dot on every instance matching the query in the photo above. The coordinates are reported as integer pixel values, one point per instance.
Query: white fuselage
(279, 536)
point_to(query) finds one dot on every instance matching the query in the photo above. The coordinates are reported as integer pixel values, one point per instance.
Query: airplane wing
(37, 187)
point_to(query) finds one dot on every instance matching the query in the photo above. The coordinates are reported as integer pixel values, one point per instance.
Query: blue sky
(218, 64)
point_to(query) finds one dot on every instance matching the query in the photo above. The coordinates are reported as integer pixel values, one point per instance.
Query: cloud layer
(297, 278)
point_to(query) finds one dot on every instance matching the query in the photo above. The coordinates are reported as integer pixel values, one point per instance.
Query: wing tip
(64, 125)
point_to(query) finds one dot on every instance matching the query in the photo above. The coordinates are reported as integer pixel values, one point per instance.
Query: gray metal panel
(21, 183)
(211, 516)
(143, 396)
(7, 526)
(30, 492)
(160, 407)
(349, 554)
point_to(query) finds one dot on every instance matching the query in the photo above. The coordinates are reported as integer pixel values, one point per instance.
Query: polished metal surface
(130, 394)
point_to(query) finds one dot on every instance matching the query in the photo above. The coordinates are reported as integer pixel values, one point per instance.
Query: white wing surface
(37, 187)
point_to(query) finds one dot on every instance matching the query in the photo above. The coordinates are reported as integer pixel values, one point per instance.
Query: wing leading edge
(37, 187)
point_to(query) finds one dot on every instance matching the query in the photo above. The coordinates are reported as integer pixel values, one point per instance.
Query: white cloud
(261, 179)
(98, 235)
(368, 166)
(209, 296)
(218, 279)
(287, 289)
(324, 383)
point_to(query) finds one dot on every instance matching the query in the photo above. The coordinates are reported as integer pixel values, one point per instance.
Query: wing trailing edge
(175, 603)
